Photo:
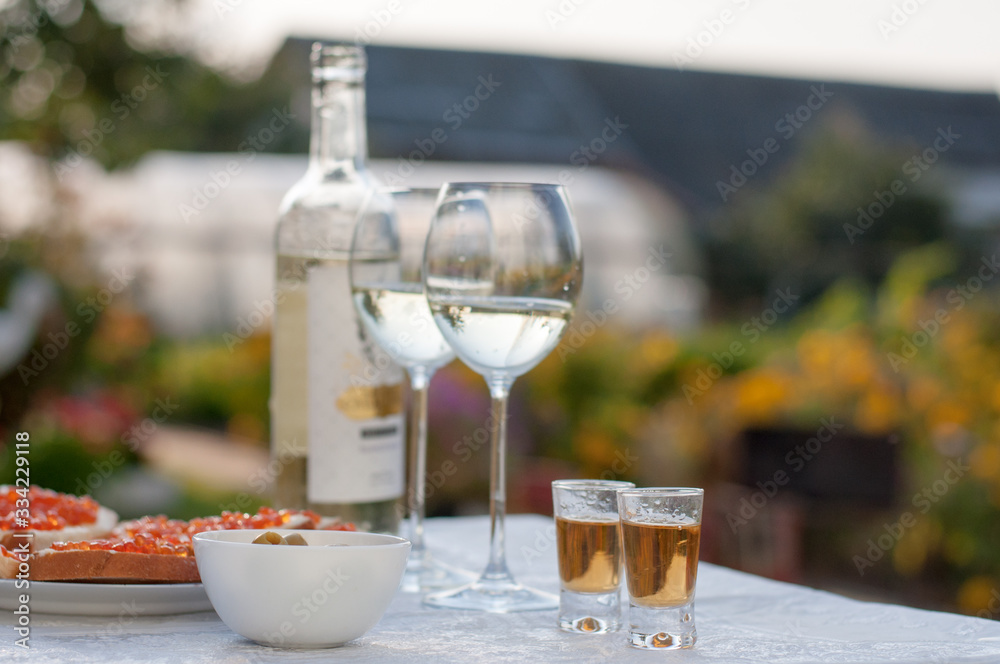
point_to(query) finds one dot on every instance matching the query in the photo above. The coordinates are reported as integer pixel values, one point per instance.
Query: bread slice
(97, 566)
(8, 564)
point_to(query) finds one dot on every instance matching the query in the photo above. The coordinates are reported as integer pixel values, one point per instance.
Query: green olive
(296, 539)
(270, 538)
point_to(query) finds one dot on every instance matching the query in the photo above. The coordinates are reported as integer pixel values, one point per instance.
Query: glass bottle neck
(339, 142)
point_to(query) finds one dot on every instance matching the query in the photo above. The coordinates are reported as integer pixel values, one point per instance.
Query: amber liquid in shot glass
(662, 563)
(661, 535)
(590, 555)
(588, 543)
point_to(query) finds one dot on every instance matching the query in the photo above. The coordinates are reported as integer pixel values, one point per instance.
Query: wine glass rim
(502, 185)
(409, 190)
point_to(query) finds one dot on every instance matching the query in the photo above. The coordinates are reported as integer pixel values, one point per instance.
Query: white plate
(106, 599)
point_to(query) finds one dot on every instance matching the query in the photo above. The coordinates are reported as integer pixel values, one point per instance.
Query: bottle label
(355, 400)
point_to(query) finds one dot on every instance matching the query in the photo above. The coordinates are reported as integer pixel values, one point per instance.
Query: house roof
(683, 129)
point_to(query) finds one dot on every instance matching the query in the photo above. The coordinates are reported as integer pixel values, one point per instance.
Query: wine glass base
(428, 573)
(503, 596)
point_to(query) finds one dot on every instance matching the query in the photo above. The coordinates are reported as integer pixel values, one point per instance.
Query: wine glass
(502, 273)
(386, 268)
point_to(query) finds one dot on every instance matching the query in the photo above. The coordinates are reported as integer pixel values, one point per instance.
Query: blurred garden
(885, 324)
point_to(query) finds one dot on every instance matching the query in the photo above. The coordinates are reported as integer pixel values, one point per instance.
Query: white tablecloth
(741, 619)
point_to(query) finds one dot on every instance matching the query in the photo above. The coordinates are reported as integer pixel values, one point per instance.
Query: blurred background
(790, 214)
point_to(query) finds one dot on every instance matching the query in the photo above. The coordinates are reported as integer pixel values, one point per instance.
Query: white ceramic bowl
(314, 596)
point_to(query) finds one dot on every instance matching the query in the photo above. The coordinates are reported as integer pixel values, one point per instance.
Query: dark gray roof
(685, 128)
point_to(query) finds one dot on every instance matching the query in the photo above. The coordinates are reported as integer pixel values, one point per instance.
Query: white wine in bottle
(336, 398)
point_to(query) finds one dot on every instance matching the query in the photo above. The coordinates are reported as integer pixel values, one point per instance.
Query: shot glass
(661, 531)
(590, 554)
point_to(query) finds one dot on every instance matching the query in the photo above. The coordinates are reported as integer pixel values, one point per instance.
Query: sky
(936, 44)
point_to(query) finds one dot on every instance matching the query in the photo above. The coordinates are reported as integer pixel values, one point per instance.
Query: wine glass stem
(497, 567)
(420, 379)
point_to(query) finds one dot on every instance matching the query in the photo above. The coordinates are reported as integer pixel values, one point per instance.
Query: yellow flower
(855, 366)
(761, 394)
(959, 334)
(594, 447)
(256, 350)
(995, 397)
(910, 553)
(877, 411)
(985, 461)
(922, 392)
(976, 593)
(947, 415)
(657, 350)
(816, 352)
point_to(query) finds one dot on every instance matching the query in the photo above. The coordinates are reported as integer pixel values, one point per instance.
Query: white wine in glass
(386, 281)
(502, 273)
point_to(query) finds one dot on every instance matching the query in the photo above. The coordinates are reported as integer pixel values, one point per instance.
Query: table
(741, 619)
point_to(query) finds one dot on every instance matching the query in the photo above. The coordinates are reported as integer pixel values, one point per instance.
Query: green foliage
(76, 86)
(58, 461)
(807, 230)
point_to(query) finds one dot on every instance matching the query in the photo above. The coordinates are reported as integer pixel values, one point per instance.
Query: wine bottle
(336, 398)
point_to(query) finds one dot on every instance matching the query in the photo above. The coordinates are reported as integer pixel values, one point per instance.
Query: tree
(845, 205)
(73, 85)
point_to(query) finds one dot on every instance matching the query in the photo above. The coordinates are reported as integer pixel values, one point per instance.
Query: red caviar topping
(48, 510)
(345, 525)
(158, 534)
